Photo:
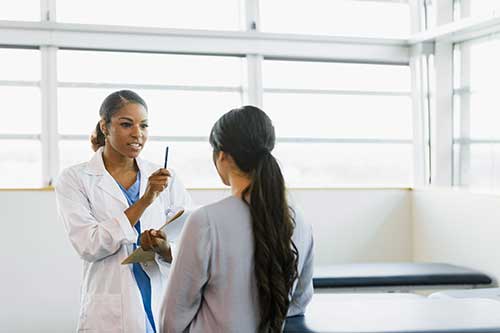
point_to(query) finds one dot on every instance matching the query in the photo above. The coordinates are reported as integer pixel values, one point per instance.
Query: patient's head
(246, 134)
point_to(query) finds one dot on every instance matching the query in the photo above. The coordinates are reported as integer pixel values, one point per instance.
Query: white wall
(457, 226)
(358, 225)
(351, 225)
(40, 274)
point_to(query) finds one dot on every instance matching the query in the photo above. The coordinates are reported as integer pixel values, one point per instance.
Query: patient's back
(222, 236)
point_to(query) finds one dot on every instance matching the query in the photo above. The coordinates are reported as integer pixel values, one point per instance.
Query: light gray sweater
(212, 286)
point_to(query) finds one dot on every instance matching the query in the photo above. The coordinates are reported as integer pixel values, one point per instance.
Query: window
(428, 14)
(185, 94)
(478, 8)
(20, 10)
(56, 76)
(430, 11)
(476, 115)
(185, 14)
(20, 136)
(344, 17)
(341, 123)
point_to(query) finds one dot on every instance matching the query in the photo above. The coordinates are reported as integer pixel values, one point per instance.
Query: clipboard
(140, 255)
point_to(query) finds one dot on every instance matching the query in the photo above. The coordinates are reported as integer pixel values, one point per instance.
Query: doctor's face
(128, 131)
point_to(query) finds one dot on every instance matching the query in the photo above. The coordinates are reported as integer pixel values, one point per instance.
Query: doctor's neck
(113, 160)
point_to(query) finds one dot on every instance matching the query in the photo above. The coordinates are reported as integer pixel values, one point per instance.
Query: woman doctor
(105, 203)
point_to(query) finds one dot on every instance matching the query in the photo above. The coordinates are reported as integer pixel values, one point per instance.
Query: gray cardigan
(212, 287)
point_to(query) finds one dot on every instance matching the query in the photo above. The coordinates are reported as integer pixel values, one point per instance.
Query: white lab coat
(91, 205)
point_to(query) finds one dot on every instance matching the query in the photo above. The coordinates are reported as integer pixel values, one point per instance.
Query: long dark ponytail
(247, 134)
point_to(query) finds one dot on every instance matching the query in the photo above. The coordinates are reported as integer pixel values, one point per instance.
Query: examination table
(367, 313)
(396, 277)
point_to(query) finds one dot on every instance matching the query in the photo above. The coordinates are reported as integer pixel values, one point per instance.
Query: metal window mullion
(206, 42)
(441, 122)
(9, 136)
(342, 140)
(462, 90)
(48, 10)
(250, 15)
(418, 91)
(462, 169)
(420, 177)
(146, 86)
(465, 8)
(464, 166)
(417, 14)
(252, 68)
(49, 135)
(336, 92)
(464, 141)
(442, 117)
(84, 137)
(252, 85)
(11, 83)
(386, 1)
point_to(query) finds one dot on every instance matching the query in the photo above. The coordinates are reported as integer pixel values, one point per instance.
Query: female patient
(245, 262)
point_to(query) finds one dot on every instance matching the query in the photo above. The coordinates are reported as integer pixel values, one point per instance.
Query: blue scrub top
(142, 279)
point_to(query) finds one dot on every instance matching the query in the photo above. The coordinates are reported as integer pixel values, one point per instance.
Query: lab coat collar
(96, 164)
(144, 175)
(108, 183)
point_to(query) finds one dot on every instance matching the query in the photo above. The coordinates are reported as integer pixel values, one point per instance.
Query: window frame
(49, 36)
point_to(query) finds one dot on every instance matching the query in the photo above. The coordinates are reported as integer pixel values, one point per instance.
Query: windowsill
(456, 189)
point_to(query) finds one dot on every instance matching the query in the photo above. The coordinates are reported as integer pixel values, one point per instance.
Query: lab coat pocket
(102, 313)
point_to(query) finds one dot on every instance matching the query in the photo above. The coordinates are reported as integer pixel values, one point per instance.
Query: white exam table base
(326, 314)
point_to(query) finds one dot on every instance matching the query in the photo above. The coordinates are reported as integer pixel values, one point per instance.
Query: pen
(166, 158)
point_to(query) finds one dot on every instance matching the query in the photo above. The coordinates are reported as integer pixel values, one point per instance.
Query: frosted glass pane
(324, 165)
(340, 116)
(20, 10)
(335, 76)
(142, 68)
(185, 14)
(21, 164)
(345, 17)
(484, 64)
(477, 165)
(303, 165)
(171, 113)
(20, 65)
(192, 162)
(22, 110)
(74, 152)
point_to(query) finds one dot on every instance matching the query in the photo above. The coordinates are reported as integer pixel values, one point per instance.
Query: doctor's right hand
(157, 182)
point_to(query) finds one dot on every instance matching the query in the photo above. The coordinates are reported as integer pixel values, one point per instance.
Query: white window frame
(49, 36)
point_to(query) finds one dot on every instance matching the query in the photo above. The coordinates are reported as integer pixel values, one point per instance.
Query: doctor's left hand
(156, 240)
